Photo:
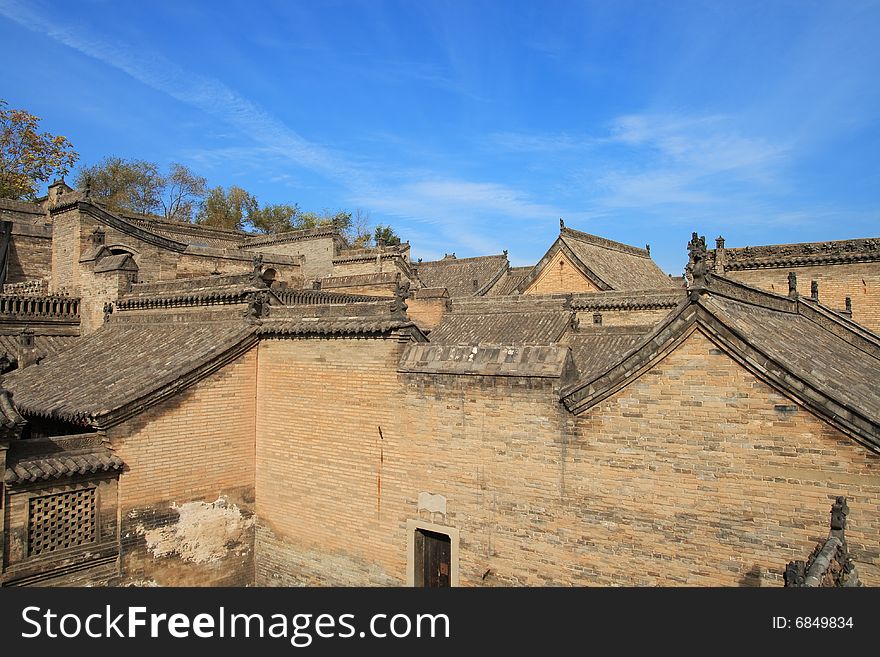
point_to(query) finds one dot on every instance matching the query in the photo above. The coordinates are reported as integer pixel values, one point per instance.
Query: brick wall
(427, 313)
(860, 281)
(65, 253)
(318, 254)
(625, 317)
(183, 456)
(697, 473)
(560, 276)
(30, 253)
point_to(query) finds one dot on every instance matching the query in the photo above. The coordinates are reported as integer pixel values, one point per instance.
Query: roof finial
(697, 262)
(648, 248)
(848, 305)
(401, 294)
(88, 191)
(814, 290)
(561, 223)
(792, 285)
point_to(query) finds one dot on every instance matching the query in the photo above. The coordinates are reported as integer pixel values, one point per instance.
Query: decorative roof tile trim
(63, 465)
(799, 255)
(342, 327)
(290, 236)
(152, 223)
(321, 297)
(344, 257)
(39, 307)
(356, 280)
(605, 243)
(532, 361)
(662, 299)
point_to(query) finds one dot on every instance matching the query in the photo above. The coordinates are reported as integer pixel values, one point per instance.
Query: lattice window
(61, 521)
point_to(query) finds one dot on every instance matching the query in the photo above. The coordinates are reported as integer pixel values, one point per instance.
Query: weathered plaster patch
(205, 531)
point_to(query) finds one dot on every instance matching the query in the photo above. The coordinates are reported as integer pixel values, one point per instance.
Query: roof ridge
(604, 242)
(455, 260)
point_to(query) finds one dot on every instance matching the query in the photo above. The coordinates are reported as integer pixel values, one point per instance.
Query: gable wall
(698, 473)
(560, 276)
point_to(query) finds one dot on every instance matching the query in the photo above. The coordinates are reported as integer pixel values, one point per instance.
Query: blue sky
(472, 127)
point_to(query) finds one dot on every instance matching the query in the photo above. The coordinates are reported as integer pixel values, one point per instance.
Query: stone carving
(401, 294)
(696, 267)
(258, 264)
(432, 503)
(792, 285)
(814, 290)
(108, 310)
(839, 512)
(258, 306)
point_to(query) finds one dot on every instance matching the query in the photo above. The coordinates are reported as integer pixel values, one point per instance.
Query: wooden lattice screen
(61, 521)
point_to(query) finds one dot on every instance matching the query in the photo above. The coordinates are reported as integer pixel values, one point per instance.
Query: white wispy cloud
(461, 207)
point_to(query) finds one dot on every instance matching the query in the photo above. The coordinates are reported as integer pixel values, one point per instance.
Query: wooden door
(433, 560)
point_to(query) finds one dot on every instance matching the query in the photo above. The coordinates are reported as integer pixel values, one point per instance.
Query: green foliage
(123, 184)
(139, 186)
(227, 209)
(275, 218)
(386, 233)
(27, 158)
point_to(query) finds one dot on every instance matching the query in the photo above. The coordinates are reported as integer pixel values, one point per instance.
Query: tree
(182, 191)
(121, 184)
(386, 233)
(227, 209)
(275, 218)
(27, 158)
(139, 186)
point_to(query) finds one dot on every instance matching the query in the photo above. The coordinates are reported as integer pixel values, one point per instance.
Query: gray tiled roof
(595, 349)
(509, 281)
(118, 365)
(52, 458)
(621, 266)
(538, 327)
(45, 345)
(458, 274)
(807, 349)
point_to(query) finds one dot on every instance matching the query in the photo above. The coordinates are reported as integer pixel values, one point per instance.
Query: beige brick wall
(65, 253)
(859, 281)
(698, 473)
(30, 255)
(625, 317)
(361, 267)
(196, 446)
(560, 276)
(318, 254)
(318, 478)
(426, 313)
